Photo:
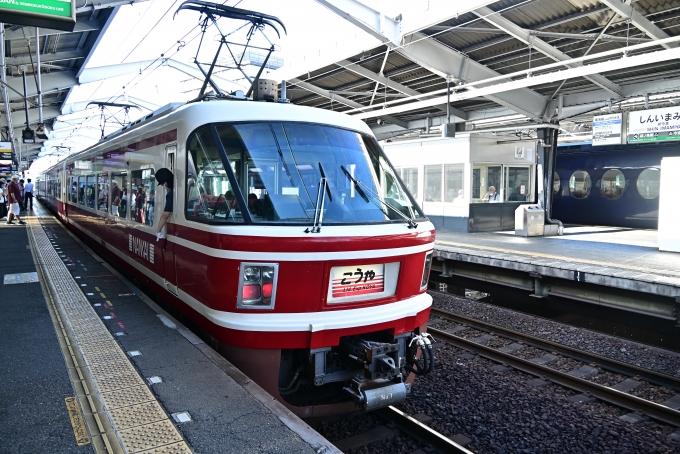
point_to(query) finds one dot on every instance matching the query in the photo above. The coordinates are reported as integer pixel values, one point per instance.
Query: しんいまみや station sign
(654, 125)
(56, 14)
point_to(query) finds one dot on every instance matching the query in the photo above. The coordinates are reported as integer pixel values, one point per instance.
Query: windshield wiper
(373, 197)
(320, 198)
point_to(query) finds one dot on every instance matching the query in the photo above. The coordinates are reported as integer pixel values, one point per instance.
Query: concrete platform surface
(192, 400)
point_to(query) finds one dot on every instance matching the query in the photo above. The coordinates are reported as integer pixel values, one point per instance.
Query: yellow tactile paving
(149, 436)
(140, 422)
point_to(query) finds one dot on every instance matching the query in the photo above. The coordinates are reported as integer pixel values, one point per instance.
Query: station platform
(92, 365)
(608, 266)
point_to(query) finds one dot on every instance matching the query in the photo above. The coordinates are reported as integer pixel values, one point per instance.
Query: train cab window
(453, 182)
(518, 187)
(648, 183)
(81, 190)
(433, 183)
(556, 183)
(90, 191)
(143, 198)
(210, 195)
(119, 194)
(579, 184)
(613, 184)
(103, 192)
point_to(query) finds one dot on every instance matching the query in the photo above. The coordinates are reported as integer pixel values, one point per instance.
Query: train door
(170, 271)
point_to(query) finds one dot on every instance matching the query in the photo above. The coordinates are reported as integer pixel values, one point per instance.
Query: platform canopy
(62, 54)
(510, 63)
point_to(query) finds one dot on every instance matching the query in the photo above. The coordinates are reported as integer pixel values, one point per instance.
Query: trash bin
(529, 220)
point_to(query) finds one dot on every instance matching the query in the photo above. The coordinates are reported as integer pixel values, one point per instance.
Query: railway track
(608, 394)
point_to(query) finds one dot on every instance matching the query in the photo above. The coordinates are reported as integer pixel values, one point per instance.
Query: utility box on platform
(529, 220)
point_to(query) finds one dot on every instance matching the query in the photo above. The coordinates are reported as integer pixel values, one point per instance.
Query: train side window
(81, 190)
(613, 184)
(119, 198)
(579, 184)
(143, 198)
(103, 192)
(433, 183)
(73, 190)
(556, 183)
(90, 191)
(648, 183)
(209, 196)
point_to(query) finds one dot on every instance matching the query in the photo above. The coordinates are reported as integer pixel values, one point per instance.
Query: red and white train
(292, 243)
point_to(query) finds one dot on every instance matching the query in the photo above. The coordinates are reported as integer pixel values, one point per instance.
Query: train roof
(195, 114)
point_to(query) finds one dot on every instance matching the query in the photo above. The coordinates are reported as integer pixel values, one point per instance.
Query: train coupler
(374, 394)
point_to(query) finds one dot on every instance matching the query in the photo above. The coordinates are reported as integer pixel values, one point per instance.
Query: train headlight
(257, 285)
(426, 270)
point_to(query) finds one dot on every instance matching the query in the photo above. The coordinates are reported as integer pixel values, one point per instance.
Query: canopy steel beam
(641, 22)
(579, 36)
(56, 80)
(29, 32)
(373, 22)
(357, 68)
(47, 58)
(525, 36)
(348, 102)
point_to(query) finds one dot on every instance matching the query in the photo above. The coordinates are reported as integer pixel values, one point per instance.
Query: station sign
(654, 125)
(607, 129)
(55, 14)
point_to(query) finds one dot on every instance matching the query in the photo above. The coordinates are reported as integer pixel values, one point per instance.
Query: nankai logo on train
(360, 280)
(142, 248)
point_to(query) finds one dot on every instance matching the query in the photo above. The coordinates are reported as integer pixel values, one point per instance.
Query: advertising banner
(655, 125)
(607, 129)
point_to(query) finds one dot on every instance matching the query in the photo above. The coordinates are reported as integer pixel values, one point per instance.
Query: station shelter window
(648, 183)
(90, 190)
(579, 184)
(433, 183)
(143, 196)
(483, 177)
(557, 184)
(517, 184)
(409, 175)
(209, 194)
(613, 184)
(453, 182)
(103, 192)
(119, 194)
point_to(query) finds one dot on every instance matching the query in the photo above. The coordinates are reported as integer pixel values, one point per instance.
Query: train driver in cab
(164, 178)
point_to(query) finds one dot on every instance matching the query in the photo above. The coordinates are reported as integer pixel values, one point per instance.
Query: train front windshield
(279, 168)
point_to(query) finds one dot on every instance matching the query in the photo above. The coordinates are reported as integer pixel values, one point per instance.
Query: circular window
(556, 183)
(648, 183)
(613, 184)
(579, 184)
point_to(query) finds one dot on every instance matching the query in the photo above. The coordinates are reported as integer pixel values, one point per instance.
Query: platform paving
(221, 410)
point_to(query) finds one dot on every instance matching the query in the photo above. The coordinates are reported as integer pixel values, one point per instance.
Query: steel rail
(420, 431)
(604, 393)
(609, 364)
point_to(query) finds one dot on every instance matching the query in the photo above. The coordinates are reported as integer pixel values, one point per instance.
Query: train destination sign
(607, 129)
(655, 125)
(56, 14)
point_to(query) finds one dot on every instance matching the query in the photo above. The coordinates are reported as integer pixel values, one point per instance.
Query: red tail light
(257, 285)
(251, 292)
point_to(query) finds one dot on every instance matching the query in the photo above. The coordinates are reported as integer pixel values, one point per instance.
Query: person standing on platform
(21, 188)
(164, 178)
(14, 194)
(3, 200)
(28, 195)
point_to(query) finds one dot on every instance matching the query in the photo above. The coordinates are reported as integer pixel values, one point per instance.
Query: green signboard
(56, 14)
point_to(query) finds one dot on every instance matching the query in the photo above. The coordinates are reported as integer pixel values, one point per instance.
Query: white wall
(669, 216)
(433, 151)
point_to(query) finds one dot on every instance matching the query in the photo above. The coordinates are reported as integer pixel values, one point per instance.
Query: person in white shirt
(28, 194)
(492, 196)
